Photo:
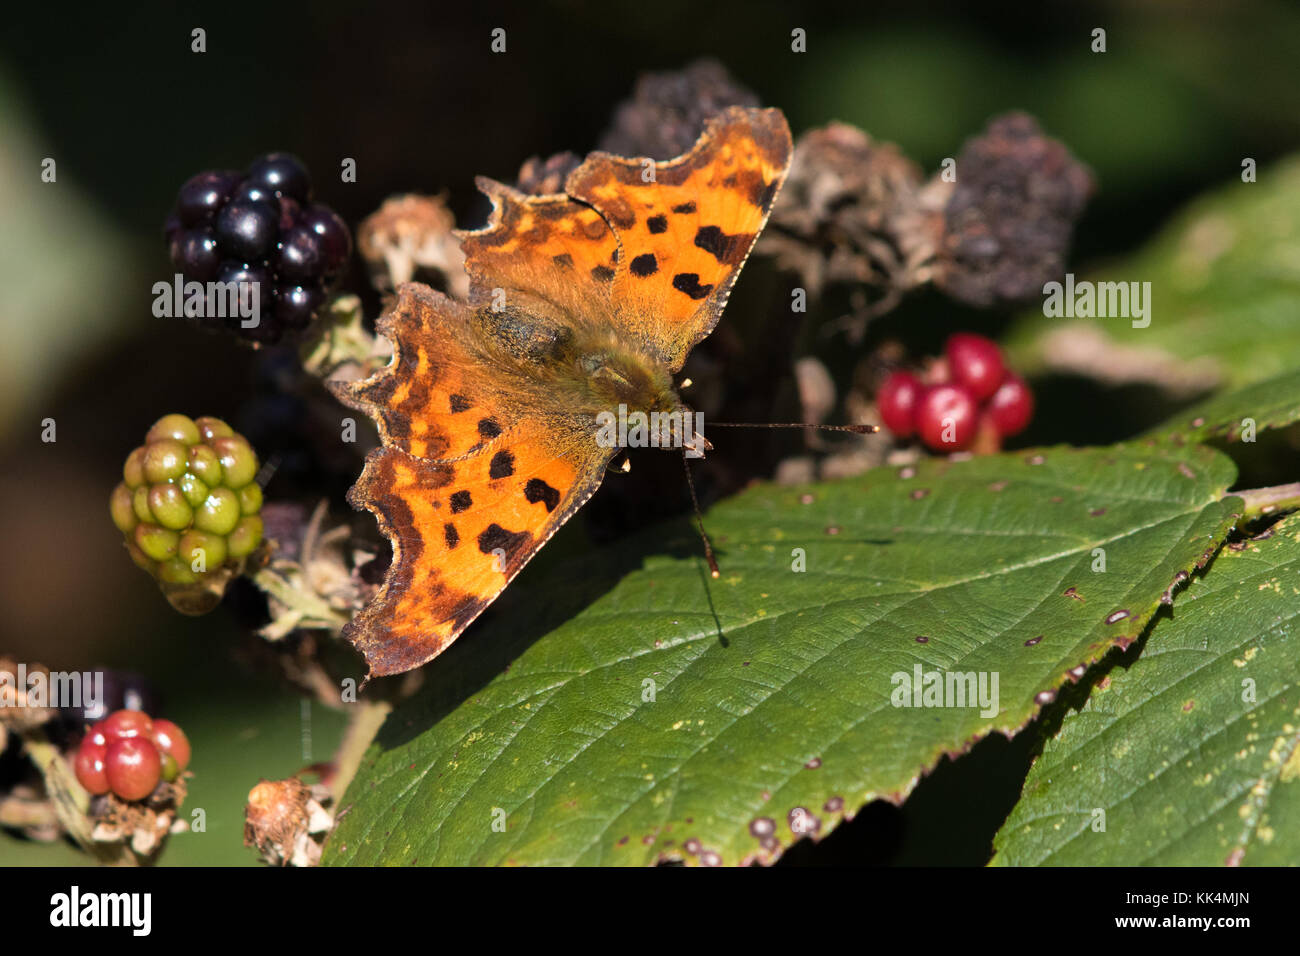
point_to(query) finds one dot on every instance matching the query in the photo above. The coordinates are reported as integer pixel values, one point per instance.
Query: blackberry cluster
(188, 493)
(260, 226)
(129, 753)
(968, 400)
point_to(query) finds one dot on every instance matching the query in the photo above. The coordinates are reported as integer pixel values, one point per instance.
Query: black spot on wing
(488, 428)
(684, 209)
(763, 194)
(537, 490)
(461, 501)
(718, 244)
(689, 283)
(657, 224)
(459, 403)
(602, 273)
(563, 260)
(450, 535)
(494, 536)
(502, 465)
(645, 265)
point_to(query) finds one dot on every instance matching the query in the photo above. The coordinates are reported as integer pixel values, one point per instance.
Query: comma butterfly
(579, 302)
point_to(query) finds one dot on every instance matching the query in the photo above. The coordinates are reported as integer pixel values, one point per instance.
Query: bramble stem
(364, 723)
(1267, 501)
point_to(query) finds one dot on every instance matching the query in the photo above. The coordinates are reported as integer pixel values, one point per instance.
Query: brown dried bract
(410, 238)
(135, 832)
(287, 821)
(851, 212)
(17, 710)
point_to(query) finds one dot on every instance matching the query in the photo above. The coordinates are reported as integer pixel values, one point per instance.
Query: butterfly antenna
(699, 519)
(855, 429)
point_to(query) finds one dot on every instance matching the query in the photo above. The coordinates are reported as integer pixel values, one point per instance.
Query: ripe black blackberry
(260, 226)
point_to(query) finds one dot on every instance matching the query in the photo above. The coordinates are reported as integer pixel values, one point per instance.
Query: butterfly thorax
(582, 369)
(613, 377)
(617, 383)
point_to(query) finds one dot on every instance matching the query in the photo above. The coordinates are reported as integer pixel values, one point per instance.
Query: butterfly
(580, 302)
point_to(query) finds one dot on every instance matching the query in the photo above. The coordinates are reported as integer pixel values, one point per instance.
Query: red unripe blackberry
(976, 363)
(897, 400)
(947, 418)
(128, 753)
(133, 767)
(89, 766)
(97, 736)
(125, 723)
(171, 741)
(1011, 407)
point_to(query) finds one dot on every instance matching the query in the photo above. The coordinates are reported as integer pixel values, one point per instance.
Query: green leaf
(1225, 286)
(771, 714)
(1187, 767)
(1274, 403)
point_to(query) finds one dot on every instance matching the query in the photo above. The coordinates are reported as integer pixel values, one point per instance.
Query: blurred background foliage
(412, 92)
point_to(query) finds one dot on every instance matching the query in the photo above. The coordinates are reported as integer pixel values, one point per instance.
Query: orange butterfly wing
(420, 402)
(686, 225)
(545, 253)
(481, 461)
(461, 526)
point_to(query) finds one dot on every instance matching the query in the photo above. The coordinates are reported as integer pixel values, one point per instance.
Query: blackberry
(969, 399)
(259, 226)
(189, 507)
(128, 753)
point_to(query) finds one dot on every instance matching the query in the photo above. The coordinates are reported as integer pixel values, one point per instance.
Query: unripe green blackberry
(189, 508)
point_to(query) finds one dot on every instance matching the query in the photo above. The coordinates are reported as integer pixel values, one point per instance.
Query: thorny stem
(1267, 501)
